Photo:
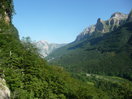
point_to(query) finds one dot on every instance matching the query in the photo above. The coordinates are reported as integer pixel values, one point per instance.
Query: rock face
(46, 48)
(4, 15)
(101, 26)
(87, 31)
(7, 18)
(4, 90)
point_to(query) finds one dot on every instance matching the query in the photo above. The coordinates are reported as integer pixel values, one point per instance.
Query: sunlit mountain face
(46, 48)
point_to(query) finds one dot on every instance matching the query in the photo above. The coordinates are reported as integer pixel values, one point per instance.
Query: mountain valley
(97, 65)
(99, 50)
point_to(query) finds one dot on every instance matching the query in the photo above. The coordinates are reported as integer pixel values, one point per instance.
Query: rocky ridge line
(102, 26)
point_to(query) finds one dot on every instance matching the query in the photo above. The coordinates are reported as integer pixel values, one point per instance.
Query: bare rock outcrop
(4, 90)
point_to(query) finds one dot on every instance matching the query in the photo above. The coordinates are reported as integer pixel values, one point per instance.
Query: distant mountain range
(103, 48)
(46, 48)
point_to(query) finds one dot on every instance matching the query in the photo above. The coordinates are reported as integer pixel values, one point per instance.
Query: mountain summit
(119, 15)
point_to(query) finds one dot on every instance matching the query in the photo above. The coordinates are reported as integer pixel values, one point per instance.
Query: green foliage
(115, 87)
(30, 77)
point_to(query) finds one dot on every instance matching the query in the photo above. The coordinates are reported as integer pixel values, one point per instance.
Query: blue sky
(60, 21)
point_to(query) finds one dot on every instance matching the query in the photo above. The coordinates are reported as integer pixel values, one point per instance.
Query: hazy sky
(60, 21)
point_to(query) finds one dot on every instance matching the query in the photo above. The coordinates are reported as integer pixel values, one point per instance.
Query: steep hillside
(108, 53)
(28, 76)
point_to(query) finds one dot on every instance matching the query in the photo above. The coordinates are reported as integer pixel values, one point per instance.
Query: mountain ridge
(101, 26)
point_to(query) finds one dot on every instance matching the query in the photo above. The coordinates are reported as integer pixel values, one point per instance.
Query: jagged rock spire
(100, 25)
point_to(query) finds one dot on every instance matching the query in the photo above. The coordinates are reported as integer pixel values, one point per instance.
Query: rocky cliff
(4, 90)
(102, 26)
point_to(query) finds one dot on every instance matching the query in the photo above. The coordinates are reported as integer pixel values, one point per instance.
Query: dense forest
(29, 76)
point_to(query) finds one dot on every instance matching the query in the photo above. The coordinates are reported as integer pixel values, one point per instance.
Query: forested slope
(27, 75)
(110, 53)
